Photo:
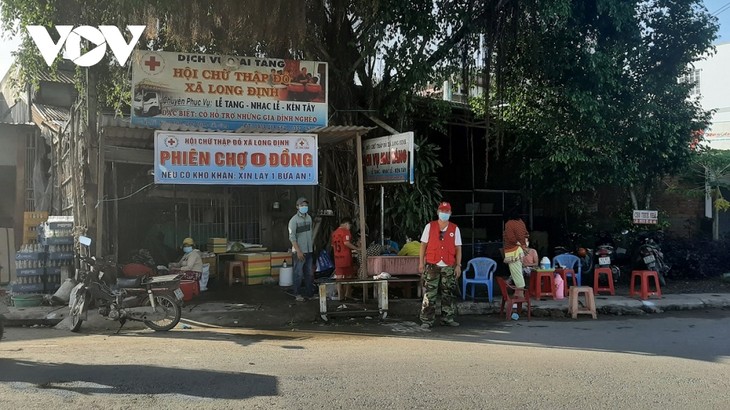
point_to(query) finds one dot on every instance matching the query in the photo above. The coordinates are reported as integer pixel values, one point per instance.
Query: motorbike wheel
(76, 311)
(172, 314)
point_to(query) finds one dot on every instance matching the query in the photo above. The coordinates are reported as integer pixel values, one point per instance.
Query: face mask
(444, 216)
(187, 249)
(303, 209)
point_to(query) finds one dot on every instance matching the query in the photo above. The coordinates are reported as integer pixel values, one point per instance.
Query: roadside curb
(239, 315)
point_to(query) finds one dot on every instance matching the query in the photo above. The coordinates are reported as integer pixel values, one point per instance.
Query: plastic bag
(324, 262)
(204, 277)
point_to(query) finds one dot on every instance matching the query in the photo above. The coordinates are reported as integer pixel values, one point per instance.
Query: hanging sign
(644, 217)
(218, 92)
(201, 158)
(389, 159)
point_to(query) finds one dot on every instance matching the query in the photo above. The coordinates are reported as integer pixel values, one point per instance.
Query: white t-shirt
(427, 232)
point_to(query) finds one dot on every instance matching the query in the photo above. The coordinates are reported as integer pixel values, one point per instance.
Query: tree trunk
(715, 216)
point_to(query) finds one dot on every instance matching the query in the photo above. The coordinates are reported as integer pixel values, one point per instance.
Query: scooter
(652, 258)
(155, 301)
(604, 259)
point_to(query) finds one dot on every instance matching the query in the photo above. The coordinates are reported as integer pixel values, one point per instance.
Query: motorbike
(605, 259)
(650, 257)
(584, 254)
(153, 300)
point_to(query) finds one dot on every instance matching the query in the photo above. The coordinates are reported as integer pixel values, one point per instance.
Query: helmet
(188, 241)
(582, 252)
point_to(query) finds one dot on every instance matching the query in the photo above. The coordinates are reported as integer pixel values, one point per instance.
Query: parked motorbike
(155, 301)
(605, 259)
(584, 254)
(650, 257)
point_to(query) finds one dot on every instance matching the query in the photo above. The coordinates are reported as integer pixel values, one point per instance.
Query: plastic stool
(609, 276)
(231, 267)
(563, 272)
(538, 288)
(590, 304)
(643, 276)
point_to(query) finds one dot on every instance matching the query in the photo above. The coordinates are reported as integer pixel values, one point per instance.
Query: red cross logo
(152, 63)
(171, 142)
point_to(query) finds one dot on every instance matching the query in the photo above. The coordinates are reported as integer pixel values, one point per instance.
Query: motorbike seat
(130, 282)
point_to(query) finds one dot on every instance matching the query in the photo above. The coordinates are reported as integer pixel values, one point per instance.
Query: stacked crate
(30, 265)
(31, 222)
(256, 267)
(279, 260)
(56, 235)
(217, 245)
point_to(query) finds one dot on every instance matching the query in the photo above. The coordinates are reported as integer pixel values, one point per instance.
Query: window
(694, 78)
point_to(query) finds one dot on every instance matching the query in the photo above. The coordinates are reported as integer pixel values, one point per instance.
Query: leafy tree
(594, 96)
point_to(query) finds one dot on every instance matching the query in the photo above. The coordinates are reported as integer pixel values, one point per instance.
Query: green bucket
(27, 300)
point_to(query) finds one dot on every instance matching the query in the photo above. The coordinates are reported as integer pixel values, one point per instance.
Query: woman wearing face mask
(191, 264)
(515, 238)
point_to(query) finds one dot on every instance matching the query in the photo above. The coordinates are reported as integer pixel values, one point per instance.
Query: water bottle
(284, 265)
(545, 263)
(559, 288)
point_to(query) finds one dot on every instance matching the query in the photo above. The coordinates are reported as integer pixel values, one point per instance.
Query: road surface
(667, 362)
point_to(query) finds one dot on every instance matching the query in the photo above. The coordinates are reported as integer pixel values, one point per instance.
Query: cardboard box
(213, 265)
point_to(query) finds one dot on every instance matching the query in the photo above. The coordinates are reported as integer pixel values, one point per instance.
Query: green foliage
(411, 206)
(594, 91)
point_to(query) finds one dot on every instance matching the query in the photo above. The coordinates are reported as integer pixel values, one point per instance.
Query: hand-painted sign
(389, 159)
(235, 159)
(228, 93)
(644, 217)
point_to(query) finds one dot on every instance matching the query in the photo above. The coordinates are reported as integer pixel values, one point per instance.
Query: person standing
(514, 238)
(343, 247)
(300, 236)
(440, 264)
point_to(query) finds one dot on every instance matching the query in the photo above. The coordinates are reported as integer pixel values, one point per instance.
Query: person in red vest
(440, 265)
(344, 267)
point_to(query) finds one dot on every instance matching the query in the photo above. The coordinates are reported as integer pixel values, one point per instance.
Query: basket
(26, 300)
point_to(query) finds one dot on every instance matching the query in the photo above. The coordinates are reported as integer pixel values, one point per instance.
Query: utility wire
(125, 197)
(721, 9)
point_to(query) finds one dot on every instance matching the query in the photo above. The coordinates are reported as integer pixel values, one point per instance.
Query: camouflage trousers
(439, 283)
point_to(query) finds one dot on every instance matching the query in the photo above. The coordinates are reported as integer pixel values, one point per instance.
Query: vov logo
(71, 38)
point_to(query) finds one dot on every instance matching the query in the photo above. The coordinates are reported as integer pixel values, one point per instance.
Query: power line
(721, 9)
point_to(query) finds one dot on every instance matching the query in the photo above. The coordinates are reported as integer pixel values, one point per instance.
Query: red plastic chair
(510, 300)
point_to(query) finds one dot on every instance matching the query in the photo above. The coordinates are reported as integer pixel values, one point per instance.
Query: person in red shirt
(344, 267)
(440, 264)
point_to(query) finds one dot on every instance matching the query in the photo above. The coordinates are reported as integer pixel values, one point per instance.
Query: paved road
(663, 362)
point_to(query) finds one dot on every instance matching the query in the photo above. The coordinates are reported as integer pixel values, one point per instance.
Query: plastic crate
(28, 287)
(30, 256)
(60, 225)
(55, 256)
(30, 272)
(395, 265)
(58, 240)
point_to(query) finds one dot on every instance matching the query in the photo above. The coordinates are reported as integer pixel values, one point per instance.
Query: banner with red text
(218, 92)
(202, 158)
(389, 159)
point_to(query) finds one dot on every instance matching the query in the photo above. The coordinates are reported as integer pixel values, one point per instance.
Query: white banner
(389, 159)
(201, 158)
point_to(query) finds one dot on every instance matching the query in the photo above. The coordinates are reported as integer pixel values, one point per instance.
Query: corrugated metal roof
(55, 117)
(121, 132)
(58, 77)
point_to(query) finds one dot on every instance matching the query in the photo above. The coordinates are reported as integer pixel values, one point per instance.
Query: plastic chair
(508, 301)
(572, 266)
(483, 269)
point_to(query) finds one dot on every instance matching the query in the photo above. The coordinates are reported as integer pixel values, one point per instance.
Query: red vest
(441, 249)
(343, 255)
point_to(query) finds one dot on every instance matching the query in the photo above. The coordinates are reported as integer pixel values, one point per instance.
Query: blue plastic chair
(483, 269)
(569, 261)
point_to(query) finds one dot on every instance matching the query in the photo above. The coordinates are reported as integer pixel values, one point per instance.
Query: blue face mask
(444, 216)
(187, 249)
(303, 209)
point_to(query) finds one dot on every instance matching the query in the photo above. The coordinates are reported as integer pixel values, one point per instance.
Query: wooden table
(381, 286)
